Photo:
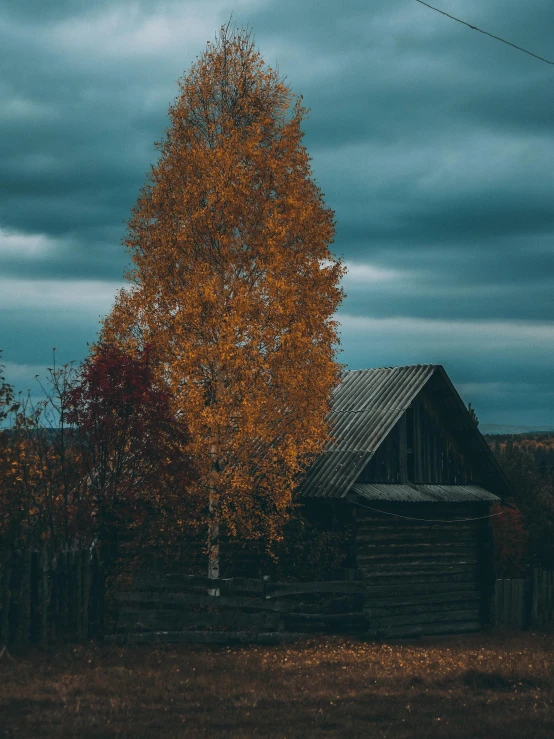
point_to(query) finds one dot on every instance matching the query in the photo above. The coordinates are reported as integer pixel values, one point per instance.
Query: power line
(474, 28)
(427, 520)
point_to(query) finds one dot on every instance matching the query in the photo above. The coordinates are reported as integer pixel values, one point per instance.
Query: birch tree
(234, 286)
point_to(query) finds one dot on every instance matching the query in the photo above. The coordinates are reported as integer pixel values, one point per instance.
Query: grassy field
(473, 686)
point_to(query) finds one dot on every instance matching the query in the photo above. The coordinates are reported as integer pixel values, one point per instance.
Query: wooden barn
(411, 476)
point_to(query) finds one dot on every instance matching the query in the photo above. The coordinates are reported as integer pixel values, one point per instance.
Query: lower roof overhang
(415, 493)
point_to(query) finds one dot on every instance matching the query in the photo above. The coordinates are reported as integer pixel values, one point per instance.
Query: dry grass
(473, 686)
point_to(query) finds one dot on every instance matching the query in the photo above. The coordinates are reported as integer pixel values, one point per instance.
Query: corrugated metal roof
(332, 473)
(365, 407)
(412, 493)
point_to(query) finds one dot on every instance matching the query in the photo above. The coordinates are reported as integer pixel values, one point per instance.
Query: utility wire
(427, 520)
(474, 28)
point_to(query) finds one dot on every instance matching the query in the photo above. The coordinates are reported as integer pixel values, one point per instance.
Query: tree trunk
(213, 526)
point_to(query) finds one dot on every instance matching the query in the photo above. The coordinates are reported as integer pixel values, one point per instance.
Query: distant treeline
(539, 446)
(528, 461)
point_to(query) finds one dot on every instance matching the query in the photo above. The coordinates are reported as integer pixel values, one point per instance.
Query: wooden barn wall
(434, 446)
(438, 454)
(425, 576)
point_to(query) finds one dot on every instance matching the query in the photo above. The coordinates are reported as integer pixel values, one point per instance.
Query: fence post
(95, 606)
(35, 596)
(44, 600)
(101, 588)
(5, 596)
(75, 593)
(533, 619)
(55, 596)
(60, 594)
(79, 588)
(498, 601)
(85, 568)
(23, 601)
(70, 594)
(528, 601)
(550, 596)
(543, 602)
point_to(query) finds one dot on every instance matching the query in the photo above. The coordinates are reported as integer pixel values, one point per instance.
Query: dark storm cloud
(432, 143)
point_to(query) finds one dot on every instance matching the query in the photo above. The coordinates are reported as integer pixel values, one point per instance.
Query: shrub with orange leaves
(234, 287)
(510, 540)
(99, 458)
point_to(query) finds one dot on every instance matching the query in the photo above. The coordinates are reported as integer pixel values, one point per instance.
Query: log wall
(424, 577)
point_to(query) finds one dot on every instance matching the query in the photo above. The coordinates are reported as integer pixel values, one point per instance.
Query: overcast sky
(432, 143)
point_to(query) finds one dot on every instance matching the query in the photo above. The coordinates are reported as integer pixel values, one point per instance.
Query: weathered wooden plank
(85, 556)
(419, 599)
(325, 618)
(420, 575)
(442, 531)
(279, 590)
(23, 627)
(402, 632)
(550, 600)
(72, 596)
(411, 557)
(391, 524)
(427, 548)
(498, 601)
(542, 620)
(5, 600)
(163, 619)
(206, 600)
(207, 637)
(44, 598)
(427, 617)
(409, 588)
(423, 573)
(427, 542)
(512, 603)
(466, 574)
(403, 448)
(506, 610)
(54, 597)
(384, 611)
(94, 607)
(518, 597)
(418, 554)
(420, 562)
(61, 625)
(196, 583)
(35, 597)
(411, 608)
(417, 440)
(78, 619)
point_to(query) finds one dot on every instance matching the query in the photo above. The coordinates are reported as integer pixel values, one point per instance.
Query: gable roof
(365, 406)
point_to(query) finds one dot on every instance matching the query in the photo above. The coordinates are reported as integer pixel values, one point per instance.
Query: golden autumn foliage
(87, 462)
(43, 498)
(234, 285)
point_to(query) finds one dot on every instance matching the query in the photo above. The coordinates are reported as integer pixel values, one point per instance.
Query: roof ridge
(398, 366)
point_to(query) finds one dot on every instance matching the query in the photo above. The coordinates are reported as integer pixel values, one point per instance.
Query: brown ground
(473, 686)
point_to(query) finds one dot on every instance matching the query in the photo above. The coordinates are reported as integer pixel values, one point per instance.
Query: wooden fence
(44, 598)
(178, 608)
(47, 598)
(525, 603)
